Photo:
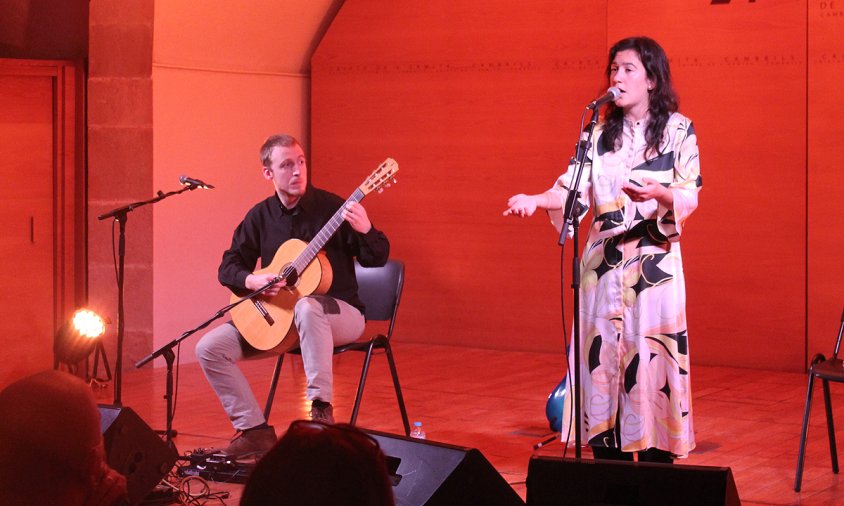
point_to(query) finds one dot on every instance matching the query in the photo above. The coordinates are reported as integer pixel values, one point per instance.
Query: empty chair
(826, 370)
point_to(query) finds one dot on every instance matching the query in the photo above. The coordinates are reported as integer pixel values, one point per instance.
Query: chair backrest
(380, 290)
(838, 341)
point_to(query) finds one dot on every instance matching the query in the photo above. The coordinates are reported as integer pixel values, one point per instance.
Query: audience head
(51, 447)
(316, 464)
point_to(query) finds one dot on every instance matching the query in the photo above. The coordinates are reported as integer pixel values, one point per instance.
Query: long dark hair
(662, 101)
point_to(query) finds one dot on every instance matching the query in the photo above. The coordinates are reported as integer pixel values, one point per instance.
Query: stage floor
(748, 420)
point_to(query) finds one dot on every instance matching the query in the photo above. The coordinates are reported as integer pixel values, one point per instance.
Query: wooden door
(33, 271)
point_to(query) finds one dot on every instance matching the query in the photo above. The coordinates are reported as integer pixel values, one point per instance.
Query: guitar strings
(324, 235)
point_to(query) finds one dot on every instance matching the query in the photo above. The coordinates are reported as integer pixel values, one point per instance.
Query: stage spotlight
(78, 337)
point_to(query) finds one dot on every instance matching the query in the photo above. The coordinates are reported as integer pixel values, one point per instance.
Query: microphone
(189, 181)
(612, 94)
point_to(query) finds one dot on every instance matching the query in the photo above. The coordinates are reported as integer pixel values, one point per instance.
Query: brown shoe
(255, 442)
(324, 413)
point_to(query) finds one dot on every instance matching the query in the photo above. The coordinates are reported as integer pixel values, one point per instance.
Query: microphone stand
(571, 218)
(120, 215)
(169, 357)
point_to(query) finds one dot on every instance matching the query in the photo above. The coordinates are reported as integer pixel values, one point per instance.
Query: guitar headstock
(381, 177)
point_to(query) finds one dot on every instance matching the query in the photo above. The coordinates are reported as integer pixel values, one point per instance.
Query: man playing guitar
(296, 212)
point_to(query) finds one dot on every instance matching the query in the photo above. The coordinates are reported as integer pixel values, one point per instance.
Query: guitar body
(266, 323)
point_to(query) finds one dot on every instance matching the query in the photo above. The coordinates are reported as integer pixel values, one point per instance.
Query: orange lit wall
(478, 104)
(225, 77)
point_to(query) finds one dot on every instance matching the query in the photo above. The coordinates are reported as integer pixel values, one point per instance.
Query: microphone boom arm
(120, 215)
(131, 207)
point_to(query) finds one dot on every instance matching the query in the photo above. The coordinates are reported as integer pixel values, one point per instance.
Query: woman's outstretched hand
(521, 205)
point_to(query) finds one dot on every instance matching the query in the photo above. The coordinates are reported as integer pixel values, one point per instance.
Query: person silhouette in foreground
(51, 447)
(315, 463)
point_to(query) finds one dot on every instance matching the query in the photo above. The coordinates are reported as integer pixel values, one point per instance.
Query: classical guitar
(266, 322)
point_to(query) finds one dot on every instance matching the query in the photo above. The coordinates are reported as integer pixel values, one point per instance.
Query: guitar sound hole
(291, 277)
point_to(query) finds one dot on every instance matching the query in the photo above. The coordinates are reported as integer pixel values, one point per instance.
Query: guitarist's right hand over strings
(257, 281)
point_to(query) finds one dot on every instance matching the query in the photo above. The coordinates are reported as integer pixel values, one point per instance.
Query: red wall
(825, 176)
(478, 104)
(472, 104)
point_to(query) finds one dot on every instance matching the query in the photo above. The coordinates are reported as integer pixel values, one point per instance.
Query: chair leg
(830, 427)
(364, 371)
(276, 373)
(399, 395)
(803, 434)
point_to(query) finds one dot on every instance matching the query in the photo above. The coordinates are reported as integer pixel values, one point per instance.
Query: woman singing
(641, 179)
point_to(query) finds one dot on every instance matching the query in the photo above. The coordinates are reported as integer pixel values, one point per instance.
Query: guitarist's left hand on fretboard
(355, 214)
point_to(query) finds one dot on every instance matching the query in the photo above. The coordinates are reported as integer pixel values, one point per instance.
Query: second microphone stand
(166, 351)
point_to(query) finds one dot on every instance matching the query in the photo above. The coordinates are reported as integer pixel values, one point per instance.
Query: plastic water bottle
(417, 431)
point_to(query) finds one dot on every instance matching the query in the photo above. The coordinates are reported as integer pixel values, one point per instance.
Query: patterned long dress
(634, 342)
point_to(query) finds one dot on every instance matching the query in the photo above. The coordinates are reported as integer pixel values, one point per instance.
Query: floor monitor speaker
(429, 473)
(135, 450)
(554, 480)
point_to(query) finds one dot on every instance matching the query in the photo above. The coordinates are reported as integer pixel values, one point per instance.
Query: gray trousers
(323, 322)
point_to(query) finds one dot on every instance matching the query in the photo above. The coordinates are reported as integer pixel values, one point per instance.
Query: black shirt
(269, 224)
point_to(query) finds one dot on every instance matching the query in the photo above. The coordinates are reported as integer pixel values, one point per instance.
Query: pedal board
(215, 467)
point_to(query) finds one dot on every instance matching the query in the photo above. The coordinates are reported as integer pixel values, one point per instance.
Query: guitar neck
(326, 232)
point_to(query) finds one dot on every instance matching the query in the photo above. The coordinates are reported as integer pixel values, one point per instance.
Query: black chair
(826, 371)
(380, 290)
